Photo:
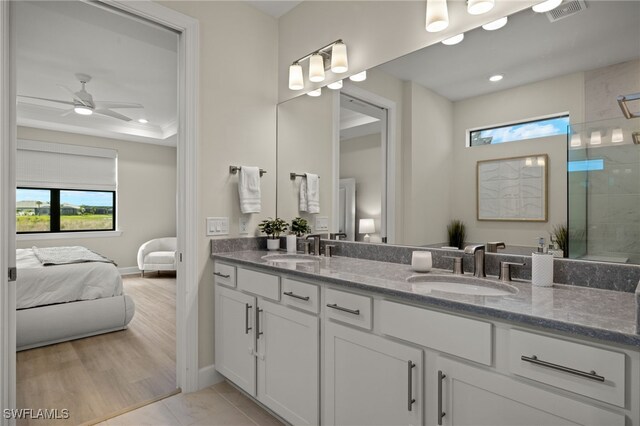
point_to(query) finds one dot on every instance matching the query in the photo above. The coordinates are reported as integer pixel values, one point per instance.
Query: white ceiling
(129, 61)
(274, 8)
(529, 48)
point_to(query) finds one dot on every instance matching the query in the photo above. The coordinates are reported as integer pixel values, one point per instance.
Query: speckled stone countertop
(600, 314)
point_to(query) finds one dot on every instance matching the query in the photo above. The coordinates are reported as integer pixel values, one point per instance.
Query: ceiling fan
(84, 104)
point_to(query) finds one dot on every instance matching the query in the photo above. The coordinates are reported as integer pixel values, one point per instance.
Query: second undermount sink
(460, 285)
(291, 258)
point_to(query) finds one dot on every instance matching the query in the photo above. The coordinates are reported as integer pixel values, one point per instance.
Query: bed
(67, 301)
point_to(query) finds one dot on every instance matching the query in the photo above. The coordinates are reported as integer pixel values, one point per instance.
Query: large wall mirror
(398, 153)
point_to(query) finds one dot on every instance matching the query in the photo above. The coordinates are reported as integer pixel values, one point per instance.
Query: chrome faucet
(494, 246)
(316, 243)
(478, 259)
(337, 235)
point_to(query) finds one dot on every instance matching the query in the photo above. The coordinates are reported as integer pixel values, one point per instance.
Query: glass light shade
(339, 61)
(296, 81)
(335, 85)
(496, 25)
(315, 93)
(546, 6)
(453, 40)
(143, 120)
(528, 162)
(82, 110)
(367, 226)
(496, 77)
(316, 68)
(596, 138)
(437, 16)
(478, 7)
(617, 136)
(540, 161)
(361, 76)
(576, 140)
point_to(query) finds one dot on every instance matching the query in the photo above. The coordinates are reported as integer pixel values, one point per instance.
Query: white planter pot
(273, 244)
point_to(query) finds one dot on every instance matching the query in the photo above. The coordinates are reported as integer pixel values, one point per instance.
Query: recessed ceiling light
(82, 110)
(315, 93)
(361, 76)
(546, 6)
(335, 85)
(496, 77)
(453, 40)
(495, 25)
(143, 120)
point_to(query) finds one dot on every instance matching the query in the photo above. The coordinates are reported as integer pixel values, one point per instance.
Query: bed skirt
(46, 325)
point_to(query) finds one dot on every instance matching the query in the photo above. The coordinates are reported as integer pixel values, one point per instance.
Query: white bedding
(39, 285)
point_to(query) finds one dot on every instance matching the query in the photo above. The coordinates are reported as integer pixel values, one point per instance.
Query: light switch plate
(243, 227)
(322, 223)
(217, 226)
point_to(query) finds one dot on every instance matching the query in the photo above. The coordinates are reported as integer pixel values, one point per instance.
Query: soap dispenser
(542, 266)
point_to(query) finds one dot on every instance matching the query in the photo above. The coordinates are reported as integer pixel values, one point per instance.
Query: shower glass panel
(604, 190)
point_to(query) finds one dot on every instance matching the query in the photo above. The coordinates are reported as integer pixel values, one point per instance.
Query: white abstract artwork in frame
(513, 189)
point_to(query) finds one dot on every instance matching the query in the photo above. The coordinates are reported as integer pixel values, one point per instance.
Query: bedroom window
(65, 188)
(514, 132)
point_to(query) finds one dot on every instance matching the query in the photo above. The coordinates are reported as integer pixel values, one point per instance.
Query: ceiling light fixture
(361, 76)
(143, 120)
(546, 6)
(617, 136)
(596, 138)
(496, 25)
(495, 78)
(315, 93)
(478, 7)
(334, 53)
(335, 85)
(82, 110)
(437, 16)
(453, 40)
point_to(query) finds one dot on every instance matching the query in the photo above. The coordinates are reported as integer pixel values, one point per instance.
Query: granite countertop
(600, 314)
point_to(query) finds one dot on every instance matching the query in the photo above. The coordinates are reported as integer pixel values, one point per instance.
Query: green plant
(457, 233)
(300, 226)
(273, 227)
(561, 236)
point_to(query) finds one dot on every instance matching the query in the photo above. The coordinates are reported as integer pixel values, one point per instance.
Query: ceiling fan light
(437, 18)
(339, 61)
(296, 81)
(478, 7)
(82, 110)
(495, 25)
(316, 68)
(546, 6)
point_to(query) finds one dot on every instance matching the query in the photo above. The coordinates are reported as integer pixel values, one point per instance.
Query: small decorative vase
(273, 244)
(292, 242)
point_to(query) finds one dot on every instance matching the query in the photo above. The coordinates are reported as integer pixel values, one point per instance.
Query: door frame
(186, 200)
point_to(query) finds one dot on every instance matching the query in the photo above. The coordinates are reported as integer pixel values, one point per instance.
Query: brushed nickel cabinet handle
(258, 332)
(295, 296)
(219, 274)
(441, 413)
(246, 318)
(591, 375)
(340, 308)
(410, 399)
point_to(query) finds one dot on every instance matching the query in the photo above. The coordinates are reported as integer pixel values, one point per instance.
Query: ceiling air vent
(566, 9)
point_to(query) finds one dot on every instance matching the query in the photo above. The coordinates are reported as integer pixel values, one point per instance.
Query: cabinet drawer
(259, 283)
(349, 308)
(224, 274)
(585, 370)
(301, 295)
(463, 337)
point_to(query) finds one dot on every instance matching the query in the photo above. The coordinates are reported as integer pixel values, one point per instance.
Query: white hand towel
(303, 204)
(249, 189)
(313, 193)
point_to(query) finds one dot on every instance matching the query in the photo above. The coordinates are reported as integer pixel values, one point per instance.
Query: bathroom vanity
(339, 340)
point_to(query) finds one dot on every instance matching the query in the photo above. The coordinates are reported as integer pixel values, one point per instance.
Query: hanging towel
(303, 205)
(249, 189)
(313, 193)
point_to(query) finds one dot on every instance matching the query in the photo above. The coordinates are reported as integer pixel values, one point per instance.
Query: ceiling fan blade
(110, 104)
(75, 96)
(113, 114)
(47, 99)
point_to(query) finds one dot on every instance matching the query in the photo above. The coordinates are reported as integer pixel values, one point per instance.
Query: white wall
(238, 97)
(146, 188)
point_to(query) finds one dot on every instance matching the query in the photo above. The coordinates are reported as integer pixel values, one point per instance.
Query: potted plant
(273, 228)
(300, 226)
(561, 236)
(457, 233)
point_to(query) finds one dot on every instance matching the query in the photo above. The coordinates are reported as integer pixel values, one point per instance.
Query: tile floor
(221, 404)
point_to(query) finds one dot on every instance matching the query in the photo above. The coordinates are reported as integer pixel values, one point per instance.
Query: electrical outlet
(217, 226)
(244, 225)
(322, 223)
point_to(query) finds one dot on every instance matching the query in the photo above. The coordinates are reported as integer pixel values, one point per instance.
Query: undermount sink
(291, 258)
(460, 285)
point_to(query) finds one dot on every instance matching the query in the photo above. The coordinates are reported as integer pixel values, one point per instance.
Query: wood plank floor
(99, 375)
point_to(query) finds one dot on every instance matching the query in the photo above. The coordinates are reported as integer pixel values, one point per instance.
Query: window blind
(55, 165)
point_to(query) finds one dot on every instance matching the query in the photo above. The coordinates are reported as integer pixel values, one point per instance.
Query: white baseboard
(131, 270)
(208, 376)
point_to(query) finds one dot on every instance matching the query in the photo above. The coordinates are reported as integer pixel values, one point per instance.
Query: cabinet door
(288, 362)
(234, 339)
(477, 396)
(370, 380)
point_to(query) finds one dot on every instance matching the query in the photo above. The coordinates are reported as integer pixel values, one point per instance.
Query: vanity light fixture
(336, 85)
(617, 136)
(361, 76)
(453, 40)
(496, 25)
(143, 120)
(495, 78)
(546, 6)
(478, 7)
(576, 140)
(315, 93)
(596, 138)
(333, 56)
(437, 16)
(82, 110)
